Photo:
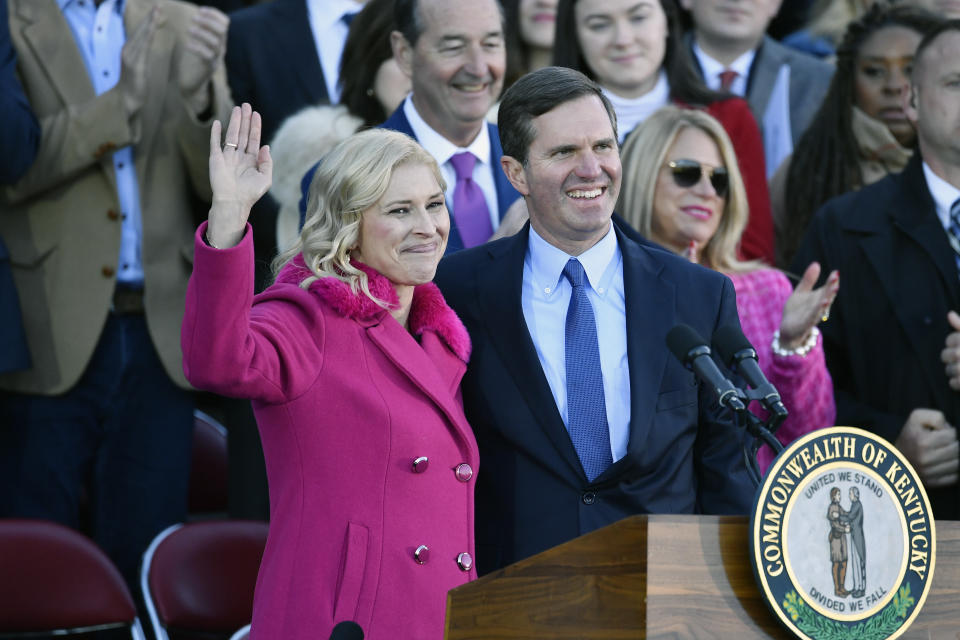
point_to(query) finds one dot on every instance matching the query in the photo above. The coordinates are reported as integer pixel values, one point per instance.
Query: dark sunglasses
(687, 173)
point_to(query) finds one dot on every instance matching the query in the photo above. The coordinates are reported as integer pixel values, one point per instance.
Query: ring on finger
(230, 144)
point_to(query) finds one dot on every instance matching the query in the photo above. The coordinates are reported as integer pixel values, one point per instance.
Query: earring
(369, 93)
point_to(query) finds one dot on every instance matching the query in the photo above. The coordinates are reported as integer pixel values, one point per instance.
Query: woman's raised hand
(240, 173)
(807, 306)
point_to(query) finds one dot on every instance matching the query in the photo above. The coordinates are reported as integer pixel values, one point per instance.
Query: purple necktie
(469, 206)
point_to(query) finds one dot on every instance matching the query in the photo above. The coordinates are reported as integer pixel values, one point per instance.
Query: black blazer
(898, 279)
(272, 61)
(532, 493)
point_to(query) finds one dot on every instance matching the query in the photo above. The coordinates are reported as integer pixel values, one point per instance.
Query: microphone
(690, 349)
(739, 355)
(348, 630)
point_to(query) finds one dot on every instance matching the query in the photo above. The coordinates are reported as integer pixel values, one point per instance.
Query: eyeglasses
(687, 173)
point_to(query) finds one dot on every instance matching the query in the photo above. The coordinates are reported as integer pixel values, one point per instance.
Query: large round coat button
(422, 554)
(464, 472)
(108, 271)
(420, 464)
(465, 561)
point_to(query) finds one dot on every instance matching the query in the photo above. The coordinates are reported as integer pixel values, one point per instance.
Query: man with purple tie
(454, 53)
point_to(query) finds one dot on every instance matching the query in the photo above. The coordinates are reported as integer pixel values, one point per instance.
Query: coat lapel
(650, 307)
(53, 44)
(499, 298)
(161, 48)
(292, 36)
(913, 214)
(763, 77)
(433, 368)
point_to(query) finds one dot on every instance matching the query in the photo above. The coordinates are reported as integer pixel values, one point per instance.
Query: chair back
(54, 580)
(208, 468)
(198, 578)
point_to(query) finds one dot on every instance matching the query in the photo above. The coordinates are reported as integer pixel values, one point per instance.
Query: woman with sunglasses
(634, 50)
(682, 188)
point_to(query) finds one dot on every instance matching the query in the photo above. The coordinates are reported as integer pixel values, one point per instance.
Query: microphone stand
(761, 431)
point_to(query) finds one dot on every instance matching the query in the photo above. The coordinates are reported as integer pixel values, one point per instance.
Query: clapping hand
(240, 173)
(807, 306)
(202, 49)
(951, 352)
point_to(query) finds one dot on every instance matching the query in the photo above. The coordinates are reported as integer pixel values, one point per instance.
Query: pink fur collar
(428, 312)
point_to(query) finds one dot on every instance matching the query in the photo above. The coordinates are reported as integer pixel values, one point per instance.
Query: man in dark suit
(893, 340)
(784, 87)
(454, 53)
(19, 139)
(581, 414)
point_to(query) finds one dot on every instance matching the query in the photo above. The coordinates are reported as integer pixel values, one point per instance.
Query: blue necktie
(586, 409)
(953, 231)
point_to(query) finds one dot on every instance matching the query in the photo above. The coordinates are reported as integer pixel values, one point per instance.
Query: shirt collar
(327, 13)
(547, 261)
(438, 146)
(119, 5)
(712, 68)
(944, 194)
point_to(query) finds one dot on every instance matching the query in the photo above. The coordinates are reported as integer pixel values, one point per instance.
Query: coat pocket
(353, 562)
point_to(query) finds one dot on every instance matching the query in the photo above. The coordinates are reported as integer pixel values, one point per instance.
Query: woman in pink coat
(353, 361)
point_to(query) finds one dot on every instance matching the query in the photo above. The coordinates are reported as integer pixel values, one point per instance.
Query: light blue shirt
(100, 36)
(545, 298)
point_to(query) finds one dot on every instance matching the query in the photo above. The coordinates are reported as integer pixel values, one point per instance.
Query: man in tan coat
(100, 236)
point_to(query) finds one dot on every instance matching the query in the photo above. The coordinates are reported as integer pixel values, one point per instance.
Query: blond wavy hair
(352, 177)
(644, 154)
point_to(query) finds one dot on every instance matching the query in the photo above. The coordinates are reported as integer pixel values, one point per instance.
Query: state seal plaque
(843, 537)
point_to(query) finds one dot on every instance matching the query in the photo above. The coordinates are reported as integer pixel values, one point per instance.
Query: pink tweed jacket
(346, 400)
(803, 382)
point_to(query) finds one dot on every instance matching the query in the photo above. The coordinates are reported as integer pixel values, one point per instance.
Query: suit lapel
(913, 213)
(53, 44)
(763, 77)
(296, 45)
(499, 286)
(430, 368)
(161, 48)
(650, 308)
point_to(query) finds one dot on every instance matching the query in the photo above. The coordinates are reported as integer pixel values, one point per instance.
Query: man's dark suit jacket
(889, 321)
(20, 137)
(506, 194)
(272, 61)
(532, 493)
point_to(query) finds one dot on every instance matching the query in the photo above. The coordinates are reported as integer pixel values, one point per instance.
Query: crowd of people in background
(577, 177)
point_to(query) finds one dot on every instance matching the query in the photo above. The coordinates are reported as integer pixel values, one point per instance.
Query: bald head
(933, 100)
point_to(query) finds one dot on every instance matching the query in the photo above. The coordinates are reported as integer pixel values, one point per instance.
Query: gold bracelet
(801, 351)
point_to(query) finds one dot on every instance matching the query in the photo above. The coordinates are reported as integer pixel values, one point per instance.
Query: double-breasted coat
(369, 455)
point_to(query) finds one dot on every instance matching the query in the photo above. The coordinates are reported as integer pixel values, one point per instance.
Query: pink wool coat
(346, 399)
(804, 383)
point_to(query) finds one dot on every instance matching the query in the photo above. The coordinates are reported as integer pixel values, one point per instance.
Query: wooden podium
(663, 576)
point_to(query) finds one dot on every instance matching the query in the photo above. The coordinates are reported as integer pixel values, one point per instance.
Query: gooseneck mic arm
(690, 349)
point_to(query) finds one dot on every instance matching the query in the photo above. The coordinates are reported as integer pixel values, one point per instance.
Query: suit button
(422, 554)
(589, 497)
(107, 271)
(464, 472)
(465, 561)
(113, 215)
(420, 464)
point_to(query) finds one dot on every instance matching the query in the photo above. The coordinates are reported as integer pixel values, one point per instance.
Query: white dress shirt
(545, 297)
(100, 35)
(712, 69)
(442, 150)
(329, 35)
(944, 194)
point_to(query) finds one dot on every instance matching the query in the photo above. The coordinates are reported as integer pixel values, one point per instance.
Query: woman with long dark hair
(860, 134)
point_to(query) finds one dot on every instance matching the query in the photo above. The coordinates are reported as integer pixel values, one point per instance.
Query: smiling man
(582, 415)
(454, 53)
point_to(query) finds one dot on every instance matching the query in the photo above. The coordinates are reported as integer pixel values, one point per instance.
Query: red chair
(56, 581)
(208, 468)
(198, 578)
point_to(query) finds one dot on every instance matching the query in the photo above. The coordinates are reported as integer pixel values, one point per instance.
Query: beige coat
(61, 219)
